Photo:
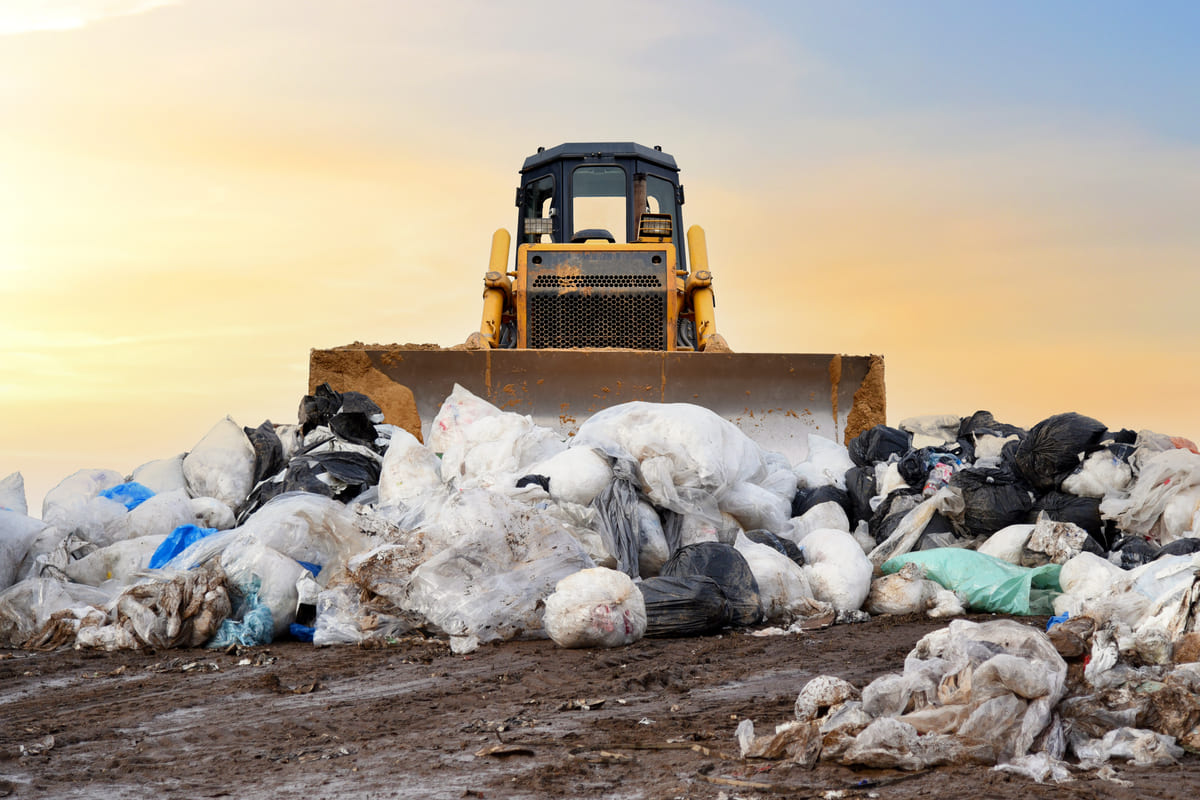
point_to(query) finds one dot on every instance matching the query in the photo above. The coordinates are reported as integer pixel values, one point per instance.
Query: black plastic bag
(877, 444)
(728, 568)
(806, 499)
(318, 408)
(1053, 448)
(690, 605)
(860, 487)
(617, 516)
(1179, 547)
(1064, 507)
(268, 451)
(892, 511)
(994, 498)
(1132, 551)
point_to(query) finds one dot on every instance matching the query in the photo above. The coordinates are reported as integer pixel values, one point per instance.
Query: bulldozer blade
(777, 399)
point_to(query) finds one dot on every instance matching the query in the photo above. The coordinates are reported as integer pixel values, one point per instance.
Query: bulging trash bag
(688, 456)
(1054, 448)
(693, 605)
(481, 444)
(878, 444)
(617, 517)
(577, 474)
(265, 577)
(785, 546)
(209, 512)
(156, 516)
(725, 565)
(825, 516)
(69, 507)
(806, 498)
(18, 532)
(161, 475)
(695, 529)
(993, 498)
(838, 571)
(755, 507)
(1065, 507)
(825, 464)
(221, 465)
(410, 472)
(120, 561)
(783, 588)
(12, 494)
(488, 582)
(986, 583)
(595, 607)
(903, 592)
(307, 527)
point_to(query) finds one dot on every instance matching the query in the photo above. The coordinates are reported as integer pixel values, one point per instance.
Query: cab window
(598, 200)
(539, 199)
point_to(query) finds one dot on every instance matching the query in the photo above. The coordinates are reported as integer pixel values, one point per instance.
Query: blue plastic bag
(131, 495)
(177, 541)
(987, 583)
(256, 627)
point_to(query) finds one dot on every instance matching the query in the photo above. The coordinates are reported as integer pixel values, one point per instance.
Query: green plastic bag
(986, 583)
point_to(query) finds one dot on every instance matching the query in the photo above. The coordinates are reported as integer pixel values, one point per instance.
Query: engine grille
(597, 300)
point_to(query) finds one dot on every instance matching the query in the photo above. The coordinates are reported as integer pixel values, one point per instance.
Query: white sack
(838, 571)
(162, 475)
(825, 465)
(119, 562)
(18, 532)
(595, 607)
(221, 465)
(12, 494)
(410, 473)
(577, 474)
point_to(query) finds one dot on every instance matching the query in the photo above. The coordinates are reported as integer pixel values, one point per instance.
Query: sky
(1001, 198)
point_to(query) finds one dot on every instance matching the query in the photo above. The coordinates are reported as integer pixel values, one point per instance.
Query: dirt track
(515, 720)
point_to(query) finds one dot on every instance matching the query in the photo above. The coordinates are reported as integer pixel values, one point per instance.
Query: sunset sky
(1002, 198)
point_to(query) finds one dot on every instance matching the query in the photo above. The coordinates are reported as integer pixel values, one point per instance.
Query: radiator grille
(628, 320)
(598, 299)
(586, 281)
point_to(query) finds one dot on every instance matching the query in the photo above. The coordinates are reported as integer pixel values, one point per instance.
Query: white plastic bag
(577, 474)
(825, 465)
(17, 533)
(838, 571)
(1008, 543)
(756, 508)
(595, 607)
(481, 445)
(254, 567)
(410, 473)
(12, 494)
(221, 465)
(158, 515)
(66, 505)
(162, 475)
(783, 586)
(118, 562)
(688, 456)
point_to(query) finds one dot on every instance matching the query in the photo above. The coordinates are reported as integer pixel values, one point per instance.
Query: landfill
(665, 520)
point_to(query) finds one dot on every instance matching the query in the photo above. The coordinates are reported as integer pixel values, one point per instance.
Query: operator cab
(617, 192)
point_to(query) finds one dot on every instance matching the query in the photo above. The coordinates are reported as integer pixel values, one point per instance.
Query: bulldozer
(607, 301)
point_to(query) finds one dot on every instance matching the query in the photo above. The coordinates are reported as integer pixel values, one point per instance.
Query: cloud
(27, 16)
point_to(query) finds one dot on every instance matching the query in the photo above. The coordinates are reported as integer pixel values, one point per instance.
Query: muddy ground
(514, 720)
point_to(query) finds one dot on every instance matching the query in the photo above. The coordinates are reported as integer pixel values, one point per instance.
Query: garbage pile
(662, 520)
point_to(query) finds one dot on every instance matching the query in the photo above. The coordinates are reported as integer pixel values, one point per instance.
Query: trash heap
(662, 520)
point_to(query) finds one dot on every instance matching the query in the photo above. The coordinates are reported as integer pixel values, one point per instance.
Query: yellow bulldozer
(608, 302)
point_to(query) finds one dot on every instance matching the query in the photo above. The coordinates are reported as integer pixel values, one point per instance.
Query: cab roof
(586, 150)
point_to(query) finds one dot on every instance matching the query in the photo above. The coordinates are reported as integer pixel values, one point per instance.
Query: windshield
(599, 200)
